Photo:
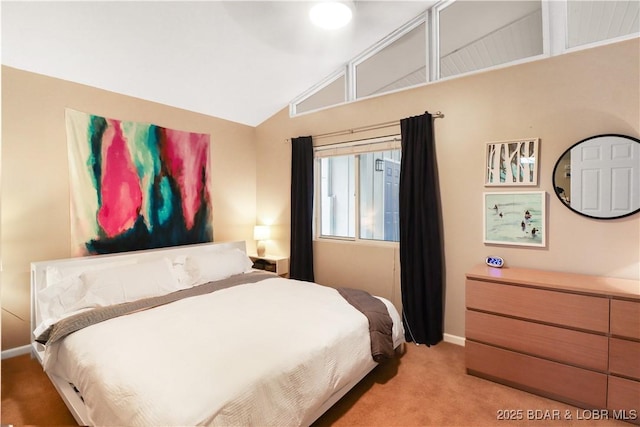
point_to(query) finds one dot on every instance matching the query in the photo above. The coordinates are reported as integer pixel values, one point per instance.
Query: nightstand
(273, 263)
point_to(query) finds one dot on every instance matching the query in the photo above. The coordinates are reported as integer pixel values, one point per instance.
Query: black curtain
(421, 275)
(301, 260)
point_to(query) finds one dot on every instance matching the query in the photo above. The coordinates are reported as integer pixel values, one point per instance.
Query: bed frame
(67, 392)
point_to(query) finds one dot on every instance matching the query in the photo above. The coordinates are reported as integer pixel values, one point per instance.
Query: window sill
(357, 242)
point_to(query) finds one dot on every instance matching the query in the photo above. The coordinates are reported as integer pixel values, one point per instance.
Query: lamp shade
(261, 232)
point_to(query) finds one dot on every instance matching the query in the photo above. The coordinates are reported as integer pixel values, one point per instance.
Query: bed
(192, 335)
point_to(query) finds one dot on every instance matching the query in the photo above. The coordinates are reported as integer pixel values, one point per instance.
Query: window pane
(594, 21)
(379, 197)
(332, 94)
(337, 196)
(502, 32)
(399, 65)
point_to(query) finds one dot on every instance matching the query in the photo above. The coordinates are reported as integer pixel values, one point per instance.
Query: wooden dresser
(570, 337)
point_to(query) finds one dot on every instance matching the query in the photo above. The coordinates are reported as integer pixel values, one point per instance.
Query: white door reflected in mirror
(599, 177)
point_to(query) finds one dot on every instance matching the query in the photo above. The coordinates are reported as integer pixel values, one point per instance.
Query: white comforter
(267, 353)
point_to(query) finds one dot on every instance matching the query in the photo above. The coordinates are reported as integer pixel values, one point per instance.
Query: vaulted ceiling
(246, 60)
(238, 60)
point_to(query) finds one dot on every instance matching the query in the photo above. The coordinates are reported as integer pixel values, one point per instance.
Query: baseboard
(16, 351)
(454, 339)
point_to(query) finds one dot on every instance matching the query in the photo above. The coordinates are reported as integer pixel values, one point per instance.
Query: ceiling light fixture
(331, 15)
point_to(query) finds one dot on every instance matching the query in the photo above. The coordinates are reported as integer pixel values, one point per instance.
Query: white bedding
(267, 353)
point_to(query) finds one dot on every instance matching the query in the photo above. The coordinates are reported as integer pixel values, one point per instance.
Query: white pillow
(126, 283)
(79, 288)
(181, 273)
(64, 287)
(54, 300)
(55, 275)
(217, 265)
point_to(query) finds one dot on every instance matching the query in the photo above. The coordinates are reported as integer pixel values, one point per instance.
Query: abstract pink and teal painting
(136, 185)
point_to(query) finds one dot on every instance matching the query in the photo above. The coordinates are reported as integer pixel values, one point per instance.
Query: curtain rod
(436, 115)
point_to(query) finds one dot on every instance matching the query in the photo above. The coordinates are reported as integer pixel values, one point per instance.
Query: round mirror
(599, 177)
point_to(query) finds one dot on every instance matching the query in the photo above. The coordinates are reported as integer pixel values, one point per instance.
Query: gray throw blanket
(380, 323)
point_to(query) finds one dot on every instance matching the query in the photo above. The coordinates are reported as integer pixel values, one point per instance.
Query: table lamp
(260, 234)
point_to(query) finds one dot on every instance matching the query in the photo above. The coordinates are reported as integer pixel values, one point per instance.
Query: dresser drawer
(625, 318)
(559, 308)
(624, 358)
(561, 382)
(563, 345)
(624, 395)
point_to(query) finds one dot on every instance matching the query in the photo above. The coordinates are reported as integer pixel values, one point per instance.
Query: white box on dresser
(570, 337)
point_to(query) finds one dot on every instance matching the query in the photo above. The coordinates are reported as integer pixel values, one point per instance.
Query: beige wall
(561, 100)
(35, 179)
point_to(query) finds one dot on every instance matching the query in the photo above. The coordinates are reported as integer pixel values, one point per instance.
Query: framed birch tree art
(511, 163)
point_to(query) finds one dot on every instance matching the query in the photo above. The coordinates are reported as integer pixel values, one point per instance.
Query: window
(357, 194)
(462, 37)
(337, 196)
(397, 62)
(595, 21)
(330, 92)
(399, 65)
(502, 32)
(379, 197)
